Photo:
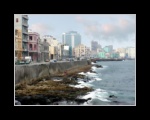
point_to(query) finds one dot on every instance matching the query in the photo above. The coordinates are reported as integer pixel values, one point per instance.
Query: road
(42, 63)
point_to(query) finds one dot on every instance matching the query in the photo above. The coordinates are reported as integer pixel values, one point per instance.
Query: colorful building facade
(33, 46)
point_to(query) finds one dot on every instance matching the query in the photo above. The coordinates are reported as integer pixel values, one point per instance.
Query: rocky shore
(50, 90)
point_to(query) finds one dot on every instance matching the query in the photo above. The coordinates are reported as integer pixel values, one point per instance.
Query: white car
(28, 59)
(53, 60)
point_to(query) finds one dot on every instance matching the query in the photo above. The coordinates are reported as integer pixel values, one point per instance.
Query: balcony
(33, 50)
(25, 32)
(25, 49)
(24, 40)
(25, 16)
(25, 24)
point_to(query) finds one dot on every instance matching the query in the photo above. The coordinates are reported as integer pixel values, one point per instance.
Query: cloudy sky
(118, 30)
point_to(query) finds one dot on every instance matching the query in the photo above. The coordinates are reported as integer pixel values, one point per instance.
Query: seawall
(27, 72)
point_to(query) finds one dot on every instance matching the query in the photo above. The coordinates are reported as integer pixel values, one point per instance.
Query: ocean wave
(105, 66)
(82, 73)
(91, 73)
(94, 68)
(97, 94)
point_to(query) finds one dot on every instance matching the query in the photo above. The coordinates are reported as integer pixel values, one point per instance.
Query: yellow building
(81, 50)
(18, 44)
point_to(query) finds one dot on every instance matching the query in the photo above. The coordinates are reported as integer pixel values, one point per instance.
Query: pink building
(33, 45)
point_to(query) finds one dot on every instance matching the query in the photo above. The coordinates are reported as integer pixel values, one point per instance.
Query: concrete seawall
(23, 72)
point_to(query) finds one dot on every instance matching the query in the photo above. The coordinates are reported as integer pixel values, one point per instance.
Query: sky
(118, 30)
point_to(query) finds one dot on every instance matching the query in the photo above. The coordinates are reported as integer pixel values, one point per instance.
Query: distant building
(60, 49)
(81, 51)
(21, 24)
(107, 55)
(72, 39)
(114, 55)
(101, 54)
(121, 50)
(45, 50)
(108, 48)
(40, 50)
(122, 55)
(53, 48)
(66, 51)
(94, 45)
(130, 51)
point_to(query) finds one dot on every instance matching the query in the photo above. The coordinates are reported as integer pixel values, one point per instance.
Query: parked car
(70, 59)
(64, 60)
(28, 59)
(53, 60)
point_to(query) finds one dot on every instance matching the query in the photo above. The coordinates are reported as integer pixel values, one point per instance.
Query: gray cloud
(42, 29)
(121, 30)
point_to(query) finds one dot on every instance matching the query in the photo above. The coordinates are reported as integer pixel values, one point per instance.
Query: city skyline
(118, 30)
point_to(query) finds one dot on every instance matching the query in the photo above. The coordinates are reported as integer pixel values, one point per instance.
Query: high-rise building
(21, 24)
(130, 52)
(71, 38)
(94, 45)
(108, 48)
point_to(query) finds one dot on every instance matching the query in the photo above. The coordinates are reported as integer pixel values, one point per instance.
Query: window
(16, 32)
(30, 37)
(17, 20)
(30, 46)
(34, 47)
(35, 38)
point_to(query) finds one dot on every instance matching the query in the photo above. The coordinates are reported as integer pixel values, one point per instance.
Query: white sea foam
(94, 68)
(82, 73)
(77, 86)
(91, 73)
(82, 85)
(57, 80)
(97, 94)
(93, 63)
(98, 79)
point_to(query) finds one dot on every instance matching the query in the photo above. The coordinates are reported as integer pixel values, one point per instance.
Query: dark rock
(26, 97)
(48, 101)
(92, 71)
(85, 80)
(112, 96)
(37, 104)
(89, 98)
(79, 101)
(98, 66)
(116, 102)
(55, 103)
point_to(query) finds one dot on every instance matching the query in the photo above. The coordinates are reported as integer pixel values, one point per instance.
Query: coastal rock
(115, 101)
(112, 96)
(17, 102)
(92, 71)
(37, 104)
(79, 101)
(98, 66)
(55, 103)
(48, 101)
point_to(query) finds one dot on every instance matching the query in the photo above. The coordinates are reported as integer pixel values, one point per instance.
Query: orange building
(18, 44)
